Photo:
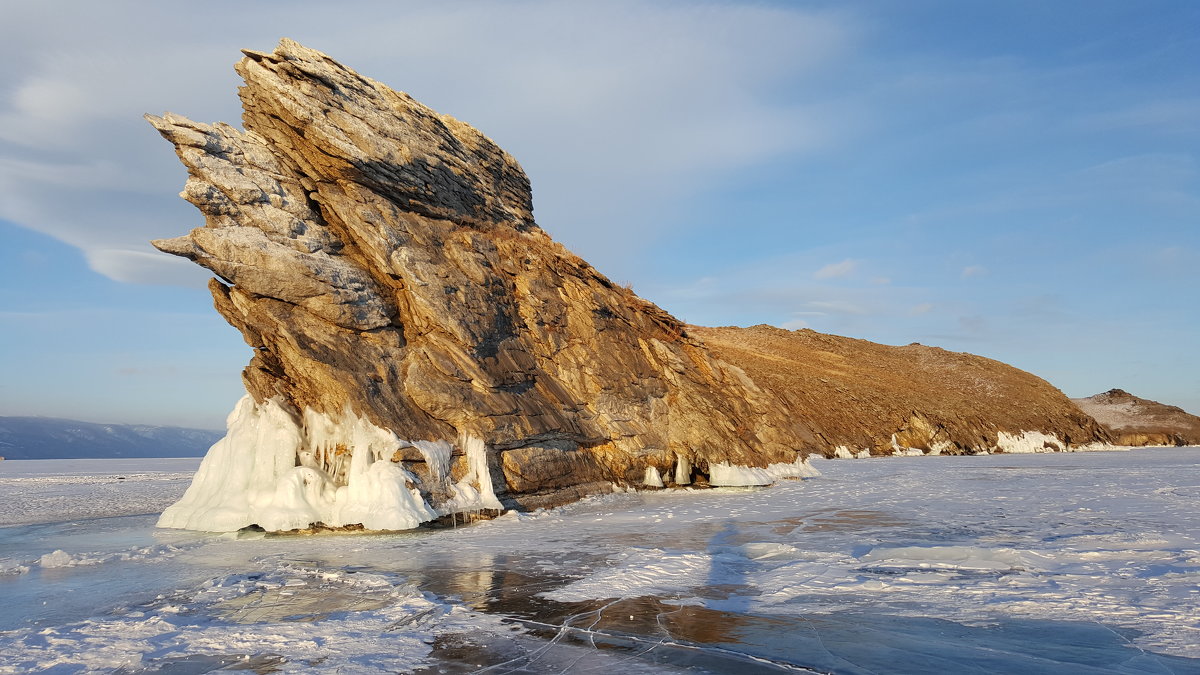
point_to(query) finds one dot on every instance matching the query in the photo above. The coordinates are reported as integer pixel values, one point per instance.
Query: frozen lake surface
(1060, 563)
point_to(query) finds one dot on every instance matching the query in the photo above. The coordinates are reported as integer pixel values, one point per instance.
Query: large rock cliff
(415, 331)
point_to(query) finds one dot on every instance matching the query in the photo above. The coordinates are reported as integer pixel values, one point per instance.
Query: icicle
(683, 470)
(476, 451)
(437, 458)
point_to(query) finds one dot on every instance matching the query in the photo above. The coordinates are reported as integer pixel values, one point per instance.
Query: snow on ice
(1054, 563)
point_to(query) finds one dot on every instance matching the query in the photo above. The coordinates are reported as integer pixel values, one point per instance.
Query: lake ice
(1069, 563)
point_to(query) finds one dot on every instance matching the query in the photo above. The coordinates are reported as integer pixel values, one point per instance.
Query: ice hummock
(282, 471)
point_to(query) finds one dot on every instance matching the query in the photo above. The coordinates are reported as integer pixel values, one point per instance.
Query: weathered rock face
(1139, 421)
(858, 395)
(383, 259)
(407, 313)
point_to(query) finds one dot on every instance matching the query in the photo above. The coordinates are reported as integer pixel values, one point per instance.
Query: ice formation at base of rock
(843, 452)
(281, 471)
(732, 475)
(1022, 442)
(683, 470)
(1028, 442)
(474, 491)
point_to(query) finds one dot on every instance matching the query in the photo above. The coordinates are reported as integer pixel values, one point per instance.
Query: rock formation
(419, 339)
(1139, 422)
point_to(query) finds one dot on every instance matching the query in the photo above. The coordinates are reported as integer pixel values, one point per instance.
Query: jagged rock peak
(383, 262)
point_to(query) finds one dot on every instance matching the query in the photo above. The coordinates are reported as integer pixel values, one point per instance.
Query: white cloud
(923, 308)
(837, 270)
(1171, 116)
(974, 325)
(1173, 260)
(838, 307)
(794, 324)
(619, 112)
(973, 271)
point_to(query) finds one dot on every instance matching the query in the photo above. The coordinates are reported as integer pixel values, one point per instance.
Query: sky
(1017, 179)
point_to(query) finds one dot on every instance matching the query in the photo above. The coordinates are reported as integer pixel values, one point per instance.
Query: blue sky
(1019, 180)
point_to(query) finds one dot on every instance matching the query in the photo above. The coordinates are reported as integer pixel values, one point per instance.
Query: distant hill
(53, 438)
(1140, 421)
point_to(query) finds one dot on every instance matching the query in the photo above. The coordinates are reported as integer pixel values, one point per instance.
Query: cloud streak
(837, 270)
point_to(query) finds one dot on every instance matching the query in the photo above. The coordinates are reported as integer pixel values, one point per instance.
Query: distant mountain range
(53, 438)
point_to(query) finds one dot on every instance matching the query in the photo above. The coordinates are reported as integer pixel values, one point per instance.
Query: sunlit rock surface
(1139, 421)
(383, 262)
(863, 398)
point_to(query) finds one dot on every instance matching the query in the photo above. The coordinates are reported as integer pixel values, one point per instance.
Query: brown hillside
(858, 393)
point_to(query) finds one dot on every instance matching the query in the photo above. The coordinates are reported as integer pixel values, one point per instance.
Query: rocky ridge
(861, 396)
(383, 262)
(1139, 422)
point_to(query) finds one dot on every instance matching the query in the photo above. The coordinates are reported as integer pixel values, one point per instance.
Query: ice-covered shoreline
(911, 551)
(281, 470)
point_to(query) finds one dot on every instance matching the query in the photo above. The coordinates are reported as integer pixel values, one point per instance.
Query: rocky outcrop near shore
(1139, 422)
(419, 340)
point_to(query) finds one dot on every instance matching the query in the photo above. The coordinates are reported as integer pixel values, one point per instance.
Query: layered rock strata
(419, 340)
(1140, 422)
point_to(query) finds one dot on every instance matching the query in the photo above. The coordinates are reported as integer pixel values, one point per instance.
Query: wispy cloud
(973, 326)
(1169, 116)
(600, 99)
(973, 271)
(837, 270)
(837, 307)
